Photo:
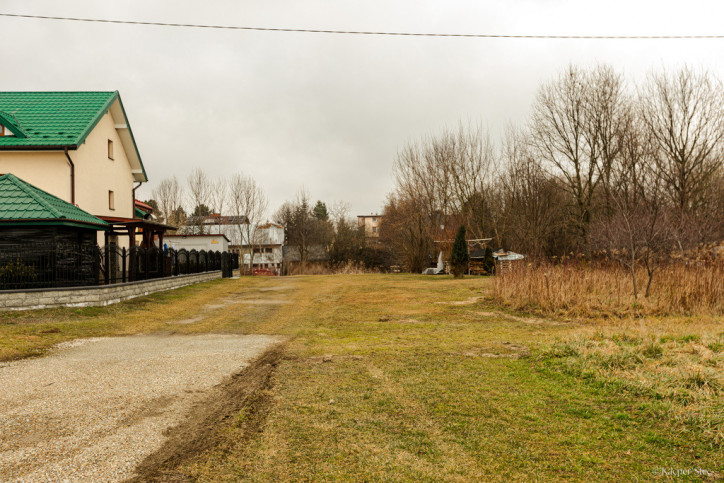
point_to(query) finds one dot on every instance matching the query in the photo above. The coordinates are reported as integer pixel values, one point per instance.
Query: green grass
(402, 377)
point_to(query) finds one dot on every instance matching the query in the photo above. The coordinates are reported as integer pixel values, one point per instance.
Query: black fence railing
(45, 265)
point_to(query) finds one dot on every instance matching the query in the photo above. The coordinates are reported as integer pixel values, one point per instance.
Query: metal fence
(45, 265)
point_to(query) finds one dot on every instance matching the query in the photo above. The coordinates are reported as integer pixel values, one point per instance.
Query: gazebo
(44, 240)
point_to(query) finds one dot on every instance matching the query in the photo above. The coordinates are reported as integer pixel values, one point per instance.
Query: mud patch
(512, 351)
(151, 409)
(192, 320)
(469, 301)
(78, 342)
(276, 289)
(515, 318)
(43, 429)
(264, 302)
(202, 429)
(410, 321)
(332, 357)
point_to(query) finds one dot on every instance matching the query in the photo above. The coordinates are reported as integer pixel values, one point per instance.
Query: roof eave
(137, 176)
(37, 147)
(54, 222)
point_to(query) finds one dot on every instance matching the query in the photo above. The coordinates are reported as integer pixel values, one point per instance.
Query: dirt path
(94, 409)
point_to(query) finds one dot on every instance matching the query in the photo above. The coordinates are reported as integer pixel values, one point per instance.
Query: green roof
(59, 120)
(56, 119)
(23, 204)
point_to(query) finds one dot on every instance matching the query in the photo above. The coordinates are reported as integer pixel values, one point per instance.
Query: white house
(267, 247)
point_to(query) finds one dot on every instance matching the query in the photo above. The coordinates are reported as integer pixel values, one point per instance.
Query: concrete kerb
(100, 295)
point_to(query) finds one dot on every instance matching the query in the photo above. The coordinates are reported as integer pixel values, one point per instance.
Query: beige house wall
(48, 170)
(95, 173)
(371, 224)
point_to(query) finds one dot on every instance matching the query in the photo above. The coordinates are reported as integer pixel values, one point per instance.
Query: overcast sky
(329, 112)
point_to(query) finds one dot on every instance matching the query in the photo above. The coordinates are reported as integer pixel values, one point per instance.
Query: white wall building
(267, 247)
(212, 243)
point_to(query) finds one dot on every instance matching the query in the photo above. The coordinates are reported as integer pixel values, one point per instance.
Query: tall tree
(248, 204)
(169, 196)
(405, 232)
(531, 198)
(219, 199)
(460, 257)
(303, 229)
(684, 114)
(576, 129)
(200, 187)
(320, 211)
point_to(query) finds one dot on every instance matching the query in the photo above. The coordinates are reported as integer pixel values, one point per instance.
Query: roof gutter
(133, 198)
(72, 176)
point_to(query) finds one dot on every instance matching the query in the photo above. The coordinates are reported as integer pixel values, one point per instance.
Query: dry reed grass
(596, 289)
(349, 268)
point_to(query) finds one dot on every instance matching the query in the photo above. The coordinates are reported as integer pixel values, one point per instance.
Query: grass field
(402, 377)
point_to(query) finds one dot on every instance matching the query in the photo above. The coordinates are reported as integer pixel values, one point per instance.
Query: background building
(371, 224)
(209, 242)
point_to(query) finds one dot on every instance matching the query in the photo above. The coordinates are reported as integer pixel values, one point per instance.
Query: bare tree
(609, 116)
(638, 230)
(169, 196)
(471, 165)
(302, 228)
(248, 204)
(219, 198)
(576, 129)
(405, 232)
(684, 114)
(531, 199)
(200, 188)
(340, 212)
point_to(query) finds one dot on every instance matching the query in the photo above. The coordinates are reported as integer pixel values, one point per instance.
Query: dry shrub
(308, 268)
(600, 289)
(349, 268)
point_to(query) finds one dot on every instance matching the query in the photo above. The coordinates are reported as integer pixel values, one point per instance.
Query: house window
(374, 220)
(111, 200)
(374, 229)
(110, 149)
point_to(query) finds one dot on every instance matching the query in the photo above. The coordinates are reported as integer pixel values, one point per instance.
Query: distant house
(79, 147)
(267, 247)
(231, 226)
(208, 242)
(370, 224)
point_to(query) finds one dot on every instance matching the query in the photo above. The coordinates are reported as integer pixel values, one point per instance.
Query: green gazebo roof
(23, 204)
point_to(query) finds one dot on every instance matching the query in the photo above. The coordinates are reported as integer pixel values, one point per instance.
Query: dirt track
(95, 409)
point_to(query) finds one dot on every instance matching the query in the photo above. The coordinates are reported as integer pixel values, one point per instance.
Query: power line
(363, 32)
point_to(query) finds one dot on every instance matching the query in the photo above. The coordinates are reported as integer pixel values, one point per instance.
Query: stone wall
(95, 295)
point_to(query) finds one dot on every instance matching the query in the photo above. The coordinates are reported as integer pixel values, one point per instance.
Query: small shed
(505, 260)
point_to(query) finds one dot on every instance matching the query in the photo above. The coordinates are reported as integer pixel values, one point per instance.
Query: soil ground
(93, 409)
(403, 377)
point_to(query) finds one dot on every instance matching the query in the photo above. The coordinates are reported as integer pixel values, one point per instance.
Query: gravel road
(94, 408)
